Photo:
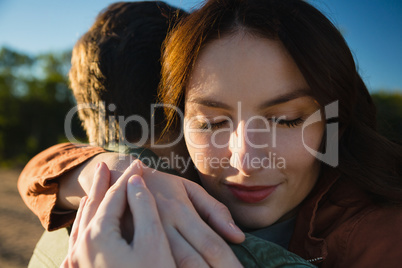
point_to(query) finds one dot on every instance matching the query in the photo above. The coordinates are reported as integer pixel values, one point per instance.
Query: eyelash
(211, 126)
(290, 123)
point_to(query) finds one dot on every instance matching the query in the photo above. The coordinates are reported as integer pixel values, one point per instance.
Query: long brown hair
(322, 55)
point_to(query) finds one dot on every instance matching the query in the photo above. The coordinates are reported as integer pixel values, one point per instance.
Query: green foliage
(34, 100)
(389, 114)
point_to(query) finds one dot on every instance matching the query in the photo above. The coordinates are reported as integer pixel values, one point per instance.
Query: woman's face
(245, 105)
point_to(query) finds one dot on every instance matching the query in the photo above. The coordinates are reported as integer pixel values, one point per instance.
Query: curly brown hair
(118, 62)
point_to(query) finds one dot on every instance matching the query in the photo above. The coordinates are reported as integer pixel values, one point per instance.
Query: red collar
(303, 242)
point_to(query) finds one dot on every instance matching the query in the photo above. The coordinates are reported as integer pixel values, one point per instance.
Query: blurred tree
(34, 100)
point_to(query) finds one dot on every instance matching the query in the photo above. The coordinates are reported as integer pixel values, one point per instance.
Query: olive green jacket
(52, 248)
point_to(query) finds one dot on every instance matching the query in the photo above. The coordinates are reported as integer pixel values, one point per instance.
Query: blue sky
(372, 28)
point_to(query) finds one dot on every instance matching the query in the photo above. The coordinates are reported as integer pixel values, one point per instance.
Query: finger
(142, 204)
(209, 245)
(98, 190)
(118, 168)
(183, 253)
(75, 231)
(143, 208)
(112, 207)
(149, 233)
(101, 182)
(213, 249)
(214, 213)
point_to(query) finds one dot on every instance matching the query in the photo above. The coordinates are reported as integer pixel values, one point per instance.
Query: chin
(255, 221)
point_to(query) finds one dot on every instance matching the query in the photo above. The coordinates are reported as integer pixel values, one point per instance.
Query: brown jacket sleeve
(38, 184)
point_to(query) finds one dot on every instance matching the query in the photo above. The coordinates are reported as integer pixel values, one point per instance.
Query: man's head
(116, 69)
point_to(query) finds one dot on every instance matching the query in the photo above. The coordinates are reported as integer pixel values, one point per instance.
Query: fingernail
(97, 166)
(234, 227)
(137, 181)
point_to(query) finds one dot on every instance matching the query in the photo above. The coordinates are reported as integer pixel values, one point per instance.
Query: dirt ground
(19, 227)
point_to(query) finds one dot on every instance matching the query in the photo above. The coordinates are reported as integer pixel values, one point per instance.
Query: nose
(247, 148)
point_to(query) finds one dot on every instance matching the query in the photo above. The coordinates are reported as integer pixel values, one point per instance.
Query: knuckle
(153, 231)
(170, 208)
(90, 203)
(155, 227)
(144, 196)
(221, 208)
(212, 249)
(96, 235)
(113, 189)
(218, 209)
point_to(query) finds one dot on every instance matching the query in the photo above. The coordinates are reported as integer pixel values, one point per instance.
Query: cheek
(313, 136)
(294, 145)
(298, 141)
(206, 154)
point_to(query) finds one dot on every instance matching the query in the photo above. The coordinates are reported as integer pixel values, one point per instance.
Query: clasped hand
(96, 239)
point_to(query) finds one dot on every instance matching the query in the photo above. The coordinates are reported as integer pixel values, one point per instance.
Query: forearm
(76, 183)
(38, 183)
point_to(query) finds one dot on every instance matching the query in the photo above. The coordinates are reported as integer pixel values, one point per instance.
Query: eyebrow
(210, 103)
(285, 98)
(278, 100)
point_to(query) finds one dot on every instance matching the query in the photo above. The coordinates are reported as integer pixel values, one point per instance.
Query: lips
(251, 194)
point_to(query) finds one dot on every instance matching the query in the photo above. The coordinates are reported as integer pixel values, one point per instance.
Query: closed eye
(212, 126)
(290, 123)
